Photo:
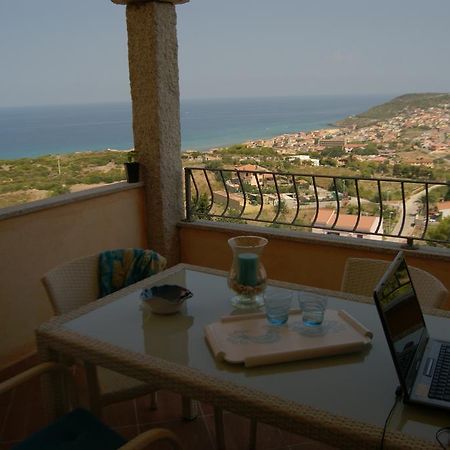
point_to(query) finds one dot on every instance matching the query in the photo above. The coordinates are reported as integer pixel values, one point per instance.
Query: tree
(447, 194)
(202, 207)
(213, 164)
(369, 150)
(334, 152)
(440, 232)
(433, 197)
(340, 185)
(227, 160)
(216, 167)
(282, 207)
(328, 162)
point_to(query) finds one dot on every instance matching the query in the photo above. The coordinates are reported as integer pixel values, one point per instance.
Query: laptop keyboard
(440, 384)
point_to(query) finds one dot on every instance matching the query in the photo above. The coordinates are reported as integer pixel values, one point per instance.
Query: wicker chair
(79, 429)
(75, 284)
(362, 274)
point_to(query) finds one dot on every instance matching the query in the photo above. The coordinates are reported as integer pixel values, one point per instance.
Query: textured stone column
(153, 65)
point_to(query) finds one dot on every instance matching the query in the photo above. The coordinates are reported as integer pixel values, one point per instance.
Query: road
(412, 208)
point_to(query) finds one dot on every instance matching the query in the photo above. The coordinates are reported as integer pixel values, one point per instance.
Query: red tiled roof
(251, 167)
(326, 218)
(443, 205)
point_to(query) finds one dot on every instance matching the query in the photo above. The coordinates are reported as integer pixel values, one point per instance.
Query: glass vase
(247, 276)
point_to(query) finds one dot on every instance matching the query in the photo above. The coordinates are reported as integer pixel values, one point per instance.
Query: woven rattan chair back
(72, 284)
(361, 275)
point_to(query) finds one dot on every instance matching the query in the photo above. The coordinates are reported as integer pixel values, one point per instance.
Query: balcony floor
(21, 413)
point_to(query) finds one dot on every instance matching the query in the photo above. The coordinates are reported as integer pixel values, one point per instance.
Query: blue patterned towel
(120, 268)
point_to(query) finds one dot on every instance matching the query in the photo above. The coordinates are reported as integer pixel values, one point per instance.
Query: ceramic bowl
(165, 299)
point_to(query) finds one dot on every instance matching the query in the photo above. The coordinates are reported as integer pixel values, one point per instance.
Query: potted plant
(132, 167)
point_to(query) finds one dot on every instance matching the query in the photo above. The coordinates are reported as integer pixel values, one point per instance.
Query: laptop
(422, 363)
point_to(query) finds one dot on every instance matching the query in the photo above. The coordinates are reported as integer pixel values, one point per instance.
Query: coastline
(205, 124)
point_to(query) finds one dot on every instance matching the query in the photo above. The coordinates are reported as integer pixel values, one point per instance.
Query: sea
(205, 123)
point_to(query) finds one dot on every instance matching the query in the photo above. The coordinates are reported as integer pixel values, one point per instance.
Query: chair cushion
(77, 430)
(122, 267)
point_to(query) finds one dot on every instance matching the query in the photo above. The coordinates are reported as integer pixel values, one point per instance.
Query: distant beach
(41, 130)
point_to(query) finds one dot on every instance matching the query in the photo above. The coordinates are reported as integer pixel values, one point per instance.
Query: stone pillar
(153, 66)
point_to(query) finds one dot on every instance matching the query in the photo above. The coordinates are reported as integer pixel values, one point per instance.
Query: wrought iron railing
(378, 208)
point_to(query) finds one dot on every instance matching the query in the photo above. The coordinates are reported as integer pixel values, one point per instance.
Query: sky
(67, 52)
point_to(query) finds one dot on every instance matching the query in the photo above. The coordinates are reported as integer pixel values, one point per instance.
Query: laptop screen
(401, 315)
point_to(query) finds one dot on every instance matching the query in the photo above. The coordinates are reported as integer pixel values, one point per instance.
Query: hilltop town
(417, 137)
(414, 136)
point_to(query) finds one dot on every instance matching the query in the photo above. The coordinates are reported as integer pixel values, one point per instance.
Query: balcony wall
(38, 236)
(300, 257)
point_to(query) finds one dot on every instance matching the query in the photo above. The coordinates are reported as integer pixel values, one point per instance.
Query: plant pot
(132, 171)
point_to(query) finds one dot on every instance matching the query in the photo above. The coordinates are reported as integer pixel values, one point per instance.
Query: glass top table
(342, 400)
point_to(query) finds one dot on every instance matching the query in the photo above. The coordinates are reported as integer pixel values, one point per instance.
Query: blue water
(40, 130)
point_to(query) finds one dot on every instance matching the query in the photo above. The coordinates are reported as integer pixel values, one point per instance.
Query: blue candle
(248, 269)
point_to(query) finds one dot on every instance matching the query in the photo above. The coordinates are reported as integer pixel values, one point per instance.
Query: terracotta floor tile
(5, 398)
(237, 434)
(5, 406)
(3, 413)
(8, 445)
(194, 434)
(206, 409)
(27, 393)
(24, 421)
(169, 408)
(268, 437)
(298, 441)
(36, 418)
(22, 413)
(37, 395)
(121, 414)
(237, 430)
(15, 424)
(292, 438)
(127, 432)
(209, 422)
(311, 445)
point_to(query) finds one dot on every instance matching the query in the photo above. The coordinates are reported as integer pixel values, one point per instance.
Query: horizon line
(253, 97)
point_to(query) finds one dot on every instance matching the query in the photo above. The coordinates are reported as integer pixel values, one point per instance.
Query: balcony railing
(377, 208)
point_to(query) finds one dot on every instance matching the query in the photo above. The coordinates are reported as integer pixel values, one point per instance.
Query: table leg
(218, 423)
(253, 431)
(189, 408)
(93, 389)
(55, 390)
(154, 400)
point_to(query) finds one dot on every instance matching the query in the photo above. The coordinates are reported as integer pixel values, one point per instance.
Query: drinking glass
(277, 303)
(313, 307)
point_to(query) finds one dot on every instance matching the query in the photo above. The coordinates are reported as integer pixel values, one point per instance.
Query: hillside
(27, 179)
(393, 107)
